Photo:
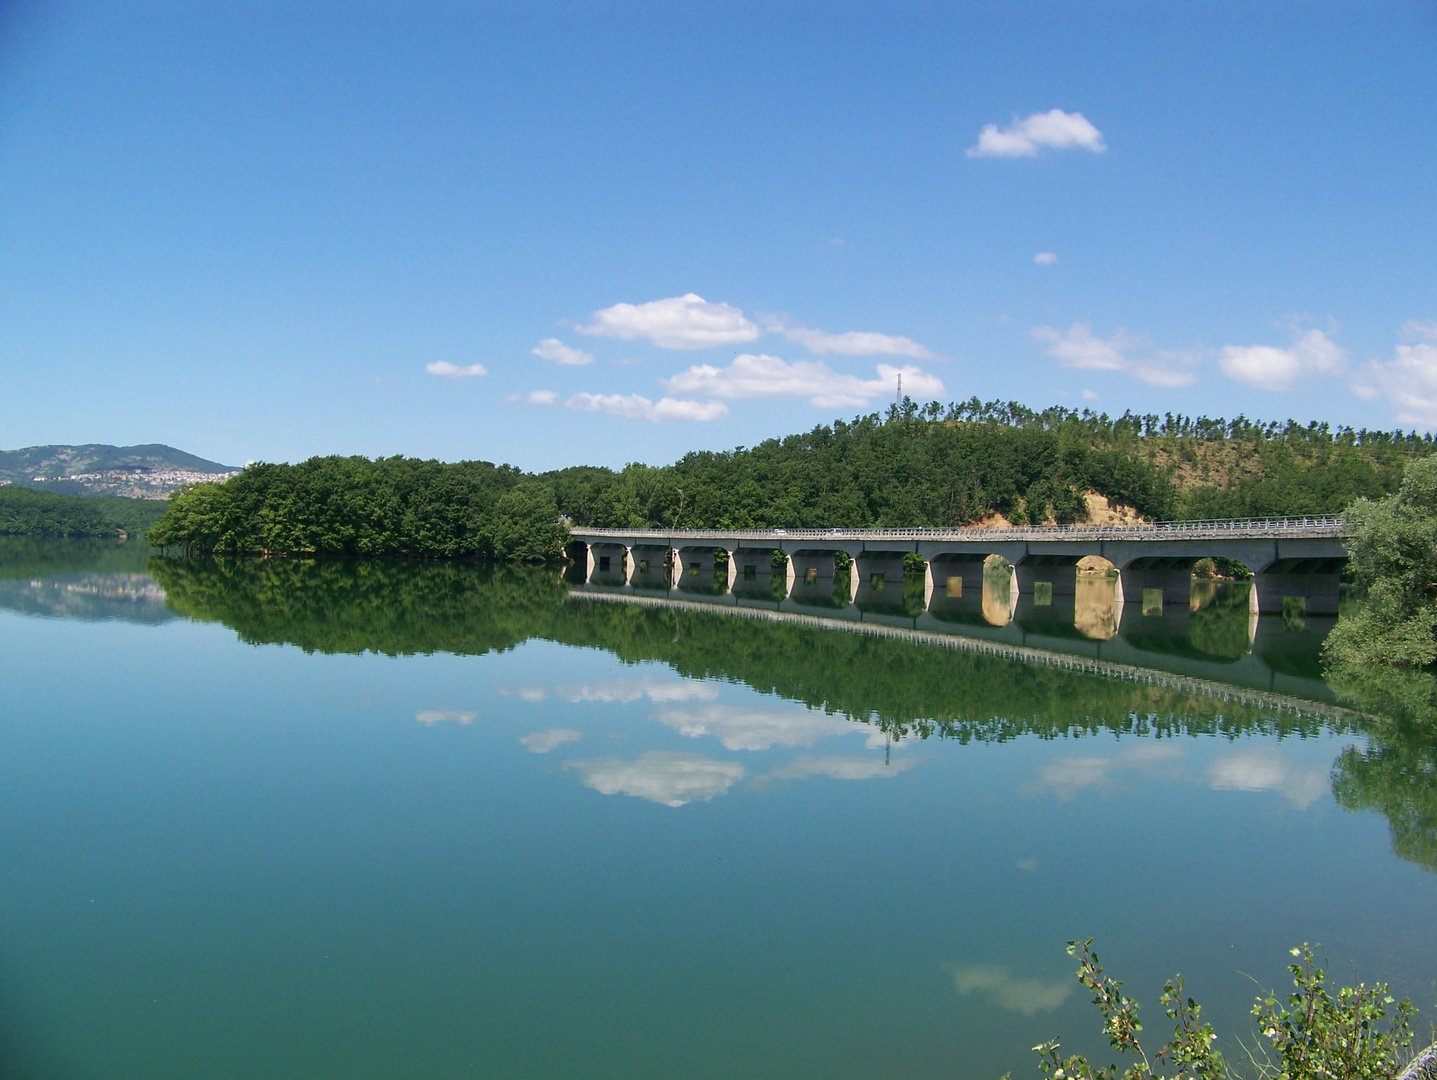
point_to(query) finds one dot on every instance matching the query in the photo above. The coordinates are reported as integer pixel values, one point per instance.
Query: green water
(349, 819)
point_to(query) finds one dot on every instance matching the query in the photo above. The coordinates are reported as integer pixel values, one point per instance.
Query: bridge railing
(1216, 529)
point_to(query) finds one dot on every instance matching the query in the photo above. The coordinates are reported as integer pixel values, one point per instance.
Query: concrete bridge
(1295, 562)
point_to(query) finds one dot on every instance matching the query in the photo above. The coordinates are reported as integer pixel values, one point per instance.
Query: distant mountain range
(151, 471)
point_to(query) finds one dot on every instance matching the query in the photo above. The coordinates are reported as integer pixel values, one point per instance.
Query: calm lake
(347, 819)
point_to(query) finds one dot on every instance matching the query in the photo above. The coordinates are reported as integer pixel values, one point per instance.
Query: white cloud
(444, 369)
(533, 397)
(1264, 770)
(430, 717)
(841, 768)
(638, 407)
(1045, 258)
(623, 691)
(555, 350)
(1055, 129)
(1088, 395)
(850, 343)
(740, 728)
(1268, 368)
(1417, 330)
(764, 376)
(1078, 347)
(1026, 996)
(671, 779)
(680, 322)
(541, 742)
(1409, 380)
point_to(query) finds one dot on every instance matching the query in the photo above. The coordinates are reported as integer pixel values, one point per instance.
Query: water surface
(369, 819)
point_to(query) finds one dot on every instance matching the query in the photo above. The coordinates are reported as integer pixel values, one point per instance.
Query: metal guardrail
(1326, 527)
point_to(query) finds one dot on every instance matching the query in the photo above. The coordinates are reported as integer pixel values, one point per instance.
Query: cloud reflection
(668, 778)
(623, 691)
(740, 728)
(1255, 769)
(841, 768)
(430, 717)
(541, 742)
(1069, 777)
(1026, 996)
(1264, 770)
(618, 691)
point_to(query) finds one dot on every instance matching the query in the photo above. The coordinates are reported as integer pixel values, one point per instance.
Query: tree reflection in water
(905, 687)
(1222, 623)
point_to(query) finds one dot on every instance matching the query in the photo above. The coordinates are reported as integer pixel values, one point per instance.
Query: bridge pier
(1042, 577)
(607, 564)
(650, 564)
(1298, 560)
(810, 567)
(1315, 583)
(957, 576)
(1154, 582)
(751, 571)
(697, 567)
(880, 570)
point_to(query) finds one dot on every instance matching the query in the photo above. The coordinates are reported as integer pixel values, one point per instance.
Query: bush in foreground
(1314, 1036)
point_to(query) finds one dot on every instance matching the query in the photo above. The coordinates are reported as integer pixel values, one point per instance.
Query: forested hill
(148, 471)
(42, 513)
(953, 465)
(935, 465)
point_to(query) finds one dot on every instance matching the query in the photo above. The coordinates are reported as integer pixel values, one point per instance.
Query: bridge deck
(1245, 529)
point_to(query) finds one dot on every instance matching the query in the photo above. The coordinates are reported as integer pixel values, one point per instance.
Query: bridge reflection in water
(1217, 635)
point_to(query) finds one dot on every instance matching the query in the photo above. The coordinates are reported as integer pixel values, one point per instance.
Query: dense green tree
(931, 466)
(27, 512)
(355, 506)
(1394, 558)
(952, 465)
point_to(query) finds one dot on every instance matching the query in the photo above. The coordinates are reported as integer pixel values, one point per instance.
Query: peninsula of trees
(917, 466)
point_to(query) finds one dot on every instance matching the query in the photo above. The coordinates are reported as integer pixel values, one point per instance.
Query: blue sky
(264, 231)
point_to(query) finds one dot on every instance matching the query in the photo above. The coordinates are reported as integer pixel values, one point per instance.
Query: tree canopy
(1394, 558)
(355, 506)
(952, 465)
(930, 466)
(26, 512)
